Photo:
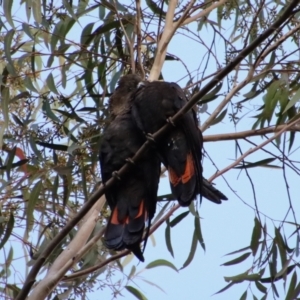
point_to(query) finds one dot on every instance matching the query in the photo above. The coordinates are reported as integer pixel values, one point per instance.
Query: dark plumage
(133, 198)
(181, 148)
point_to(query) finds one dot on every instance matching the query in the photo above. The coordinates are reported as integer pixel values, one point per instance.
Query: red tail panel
(189, 171)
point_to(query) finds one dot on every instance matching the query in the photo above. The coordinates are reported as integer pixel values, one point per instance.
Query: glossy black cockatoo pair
(137, 109)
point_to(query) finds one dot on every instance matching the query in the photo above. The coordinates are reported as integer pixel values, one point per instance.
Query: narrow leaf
(7, 6)
(242, 277)
(256, 234)
(281, 246)
(135, 292)
(7, 50)
(290, 294)
(37, 13)
(198, 231)
(237, 260)
(261, 287)
(192, 251)
(244, 296)
(168, 238)
(260, 163)
(33, 198)
(293, 101)
(225, 288)
(160, 263)
(219, 118)
(51, 84)
(9, 229)
(179, 218)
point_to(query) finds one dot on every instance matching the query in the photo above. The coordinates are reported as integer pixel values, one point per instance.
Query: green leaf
(9, 229)
(261, 287)
(168, 238)
(278, 277)
(198, 231)
(161, 263)
(53, 146)
(212, 94)
(281, 246)
(106, 27)
(219, 118)
(5, 98)
(296, 292)
(225, 288)
(273, 262)
(70, 10)
(37, 13)
(9, 161)
(260, 163)
(244, 296)
(86, 35)
(29, 85)
(238, 251)
(101, 12)
(179, 218)
(57, 32)
(192, 251)
(7, 50)
(132, 272)
(156, 9)
(293, 101)
(7, 6)
(51, 84)
(32, 200)
(256, 234)
(243, 277)
(237, 260)
(135, 292)
(48, 111)
(271, 100)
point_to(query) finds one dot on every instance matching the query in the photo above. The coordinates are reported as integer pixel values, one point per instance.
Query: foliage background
(60, 61)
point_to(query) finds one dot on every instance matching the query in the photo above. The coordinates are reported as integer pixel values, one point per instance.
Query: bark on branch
(247, 133)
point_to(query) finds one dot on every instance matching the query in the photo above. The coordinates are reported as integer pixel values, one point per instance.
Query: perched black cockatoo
(181, 148)
(132, 199)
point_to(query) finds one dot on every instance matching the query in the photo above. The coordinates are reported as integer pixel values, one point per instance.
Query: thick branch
(204, 12)
(76, 248)
(86, 207)
(164, 41)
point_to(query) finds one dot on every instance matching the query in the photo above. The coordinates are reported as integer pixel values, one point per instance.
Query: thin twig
(226, 100)
(221, 172)
(247, 133)
(139, 38)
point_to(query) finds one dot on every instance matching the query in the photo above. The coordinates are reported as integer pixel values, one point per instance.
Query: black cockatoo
(181, 148)
(132, 199)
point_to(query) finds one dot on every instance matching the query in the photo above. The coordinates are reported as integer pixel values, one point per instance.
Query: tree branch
(203, 13)
(139, 39)
(251, 150)
(247, 133)
(164, 41)
(76, 249)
